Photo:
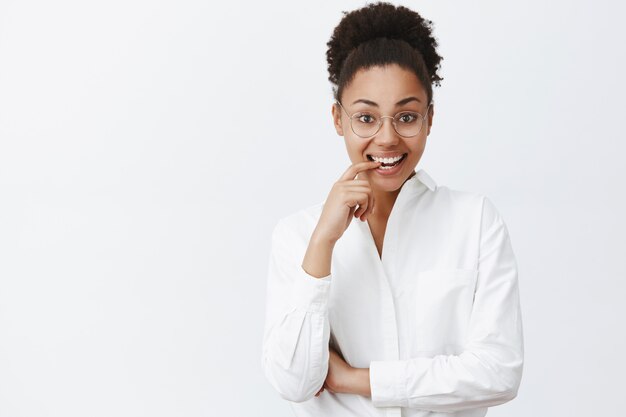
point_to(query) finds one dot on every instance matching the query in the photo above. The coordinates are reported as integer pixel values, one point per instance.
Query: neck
(385, 201)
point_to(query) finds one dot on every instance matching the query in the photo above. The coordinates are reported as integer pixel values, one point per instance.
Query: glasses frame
(380, 121)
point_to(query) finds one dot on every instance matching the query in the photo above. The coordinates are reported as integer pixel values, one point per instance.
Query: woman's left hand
(340, 375)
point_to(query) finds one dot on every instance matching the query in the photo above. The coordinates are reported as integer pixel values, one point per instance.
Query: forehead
(384, 85)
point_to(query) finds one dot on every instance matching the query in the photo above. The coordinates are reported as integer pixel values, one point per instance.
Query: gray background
(147, 148)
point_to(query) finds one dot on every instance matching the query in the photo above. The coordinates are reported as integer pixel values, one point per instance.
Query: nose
(387, 135)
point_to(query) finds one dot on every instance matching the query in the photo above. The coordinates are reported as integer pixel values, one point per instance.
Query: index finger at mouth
(354, 169)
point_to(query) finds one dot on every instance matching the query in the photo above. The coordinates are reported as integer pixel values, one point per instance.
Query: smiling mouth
(390, 161)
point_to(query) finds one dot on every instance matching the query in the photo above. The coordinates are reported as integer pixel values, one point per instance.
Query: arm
(488, 372)
(297, 331)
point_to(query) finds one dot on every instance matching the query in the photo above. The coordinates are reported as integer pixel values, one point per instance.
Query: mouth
(388, 163)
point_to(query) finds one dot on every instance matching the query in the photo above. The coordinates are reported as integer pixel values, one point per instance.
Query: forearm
(359, 382)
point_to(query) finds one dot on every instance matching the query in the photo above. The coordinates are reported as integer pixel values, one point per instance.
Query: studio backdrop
(148, 148)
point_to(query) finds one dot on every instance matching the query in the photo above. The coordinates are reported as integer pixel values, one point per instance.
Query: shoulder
(477, 205)
(456, 196)
(455, 199)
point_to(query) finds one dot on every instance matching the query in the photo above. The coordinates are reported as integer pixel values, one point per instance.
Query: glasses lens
(365, 124)
(408, 123)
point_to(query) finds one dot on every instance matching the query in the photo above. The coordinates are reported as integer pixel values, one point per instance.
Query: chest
(377, 230)
(404, 287)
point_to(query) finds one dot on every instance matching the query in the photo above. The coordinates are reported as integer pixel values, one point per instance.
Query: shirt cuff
(311, 293)
(388, 383)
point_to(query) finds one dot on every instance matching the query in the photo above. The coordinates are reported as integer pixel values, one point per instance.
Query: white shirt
(437, 319)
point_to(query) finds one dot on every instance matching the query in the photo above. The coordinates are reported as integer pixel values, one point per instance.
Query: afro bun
(379, 34)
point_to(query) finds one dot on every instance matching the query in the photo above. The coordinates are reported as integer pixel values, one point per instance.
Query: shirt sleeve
(488, 372)
(297, 330)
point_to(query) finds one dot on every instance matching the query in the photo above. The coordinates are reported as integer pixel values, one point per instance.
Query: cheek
(418, 147)
(356, 149)
(416, 152)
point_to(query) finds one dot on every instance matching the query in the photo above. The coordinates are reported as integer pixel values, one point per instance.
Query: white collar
(425, 179)
(412, 186)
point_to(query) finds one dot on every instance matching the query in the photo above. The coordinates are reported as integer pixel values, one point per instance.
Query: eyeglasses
(366, 124)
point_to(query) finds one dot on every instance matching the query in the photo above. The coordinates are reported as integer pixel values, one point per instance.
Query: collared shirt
(436, 319)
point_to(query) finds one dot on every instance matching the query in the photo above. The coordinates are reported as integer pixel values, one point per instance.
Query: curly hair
(379, 34)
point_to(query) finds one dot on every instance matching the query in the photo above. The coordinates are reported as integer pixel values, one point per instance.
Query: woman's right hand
(341, 203)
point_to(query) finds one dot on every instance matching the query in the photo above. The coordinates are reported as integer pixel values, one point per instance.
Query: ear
(431, 113)
(336, 113)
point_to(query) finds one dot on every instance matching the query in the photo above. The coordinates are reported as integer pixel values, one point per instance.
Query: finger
(361, 186)
(365, 204)
(350, 186)
(362, 183)
(354, 169)
(370, 208)
(360, 198)
(349, 191)
(370, 203)
(352, 210)
(362, 209)
(354, 197)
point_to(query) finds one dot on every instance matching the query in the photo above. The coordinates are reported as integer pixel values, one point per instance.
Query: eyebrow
(399, 103)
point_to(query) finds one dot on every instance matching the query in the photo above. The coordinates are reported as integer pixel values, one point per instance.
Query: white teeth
(387, 160)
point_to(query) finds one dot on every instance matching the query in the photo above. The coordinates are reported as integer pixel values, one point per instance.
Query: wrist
(319, 239)
(360, 383)
(318, 257)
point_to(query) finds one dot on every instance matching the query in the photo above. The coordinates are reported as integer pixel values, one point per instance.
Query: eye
(407, 117)
(365, 118)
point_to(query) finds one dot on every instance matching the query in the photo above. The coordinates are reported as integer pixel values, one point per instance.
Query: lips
(404, 155)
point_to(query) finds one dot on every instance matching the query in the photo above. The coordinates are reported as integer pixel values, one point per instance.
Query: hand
(340, 375)
(342, 200)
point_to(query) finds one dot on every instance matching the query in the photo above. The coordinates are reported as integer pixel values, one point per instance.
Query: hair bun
(382, 20)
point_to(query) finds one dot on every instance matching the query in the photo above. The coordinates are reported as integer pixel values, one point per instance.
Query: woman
(414, 304)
